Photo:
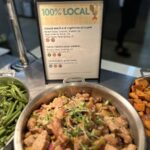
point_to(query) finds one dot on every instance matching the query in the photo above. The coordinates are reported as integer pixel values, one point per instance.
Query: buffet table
(118, 78)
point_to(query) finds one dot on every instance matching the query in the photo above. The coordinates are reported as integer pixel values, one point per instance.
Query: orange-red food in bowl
(139, 96)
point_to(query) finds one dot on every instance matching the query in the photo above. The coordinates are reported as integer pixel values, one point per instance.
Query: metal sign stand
(23, 61)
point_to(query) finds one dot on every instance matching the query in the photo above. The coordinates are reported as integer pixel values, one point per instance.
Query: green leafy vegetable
(12, 101)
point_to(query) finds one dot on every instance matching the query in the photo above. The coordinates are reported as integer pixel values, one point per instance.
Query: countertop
(33, 78)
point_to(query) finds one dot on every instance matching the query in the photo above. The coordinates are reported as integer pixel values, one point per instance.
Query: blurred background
(137, 39)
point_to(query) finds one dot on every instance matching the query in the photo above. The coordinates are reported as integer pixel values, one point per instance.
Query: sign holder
(71, 38)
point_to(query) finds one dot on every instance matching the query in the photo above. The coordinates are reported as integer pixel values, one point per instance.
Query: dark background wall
(112, 19)
(4, 20)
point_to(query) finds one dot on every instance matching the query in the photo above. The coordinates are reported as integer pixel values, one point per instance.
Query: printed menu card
(70, 33)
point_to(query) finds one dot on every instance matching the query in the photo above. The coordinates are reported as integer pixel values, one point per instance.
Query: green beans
(12, 101)
(2, 130)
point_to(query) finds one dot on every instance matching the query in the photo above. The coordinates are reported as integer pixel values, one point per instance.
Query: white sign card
(70, 33)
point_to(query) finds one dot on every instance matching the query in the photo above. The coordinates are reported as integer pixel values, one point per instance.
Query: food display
(139, 96)
(13, 98)
(79, 122)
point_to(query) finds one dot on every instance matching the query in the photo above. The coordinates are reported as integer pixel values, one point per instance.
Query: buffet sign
(70, 35)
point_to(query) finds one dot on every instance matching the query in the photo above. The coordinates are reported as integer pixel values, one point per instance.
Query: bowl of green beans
(14, 96)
